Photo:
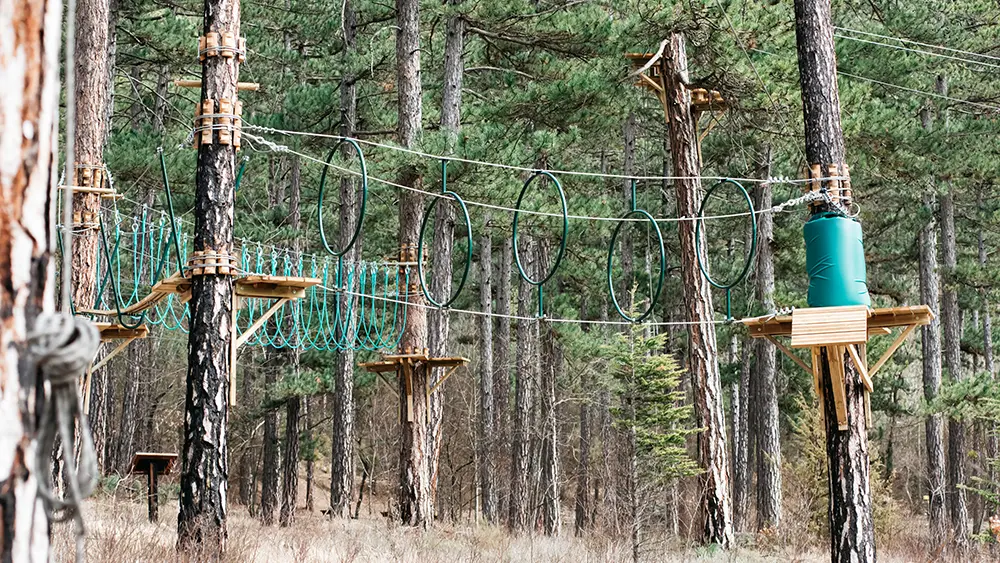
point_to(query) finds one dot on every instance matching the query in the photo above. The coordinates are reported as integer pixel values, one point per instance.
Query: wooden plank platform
(112, 331)
(878, 321)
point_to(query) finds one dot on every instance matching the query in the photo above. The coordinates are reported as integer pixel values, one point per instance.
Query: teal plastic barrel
(835, 261)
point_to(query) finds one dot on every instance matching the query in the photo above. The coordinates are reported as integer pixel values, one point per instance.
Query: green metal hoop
(663, 265)
(753, 240)
(468, 253)
(565, 229)
(364, 198)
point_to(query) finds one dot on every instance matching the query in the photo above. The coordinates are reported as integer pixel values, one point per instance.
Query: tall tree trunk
(703, 353)
(582, 496)
(626, 297)
(205, 466)
(502, 378)
(930, 335)
(29, 48)
(764, 388)
(851, 527)
(487, 446)
(139, 353)
(551, 370)
(742, 475)
(957, 505)
(342, 459)
(290, 469)
(92, 98)
(416, 463)
(520, 461)
(269, 471)
(992, 439)
(160, 102)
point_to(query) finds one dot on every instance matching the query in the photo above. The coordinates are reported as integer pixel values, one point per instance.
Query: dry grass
(120, 533)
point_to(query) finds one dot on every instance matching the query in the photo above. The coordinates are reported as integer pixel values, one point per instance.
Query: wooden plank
(408, 382)
(862, 368)
(817, 365)
(829, 325)
(233, 349)
(266, 291)
(251, 86)
(260, 322)
(784, 349)
(112, 331)
(892, 349)
(380, 367)
(835, 356)
(289, 281)
(113, 353)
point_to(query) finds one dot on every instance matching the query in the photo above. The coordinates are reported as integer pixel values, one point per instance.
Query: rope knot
(64, 346)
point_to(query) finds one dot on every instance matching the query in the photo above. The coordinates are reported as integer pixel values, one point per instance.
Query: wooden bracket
(242, 338)
(211, 262)
(228, 121)
(784, 349)
(835, 357)
(839, 190)
(225, 44)
(892, 349)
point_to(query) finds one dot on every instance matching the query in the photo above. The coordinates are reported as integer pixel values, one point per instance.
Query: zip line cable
(914, 42)
(775, 209)
(921, 92)
(917, 51)
(264, 129)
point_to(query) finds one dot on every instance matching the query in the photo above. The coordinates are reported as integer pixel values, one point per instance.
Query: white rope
(921, 92)
(914, 42)
(275, 147)
(915, 51)
(263, 129)
(521, 318)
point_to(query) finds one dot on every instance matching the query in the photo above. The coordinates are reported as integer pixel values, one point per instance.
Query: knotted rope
(63, 347)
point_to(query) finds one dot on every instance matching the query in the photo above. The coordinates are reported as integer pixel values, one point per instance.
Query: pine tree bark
(767, 432)
(550, 370)
(581, 520)
(201, 521)
(742, 476)
(342, 459)
(519, 508)
(931, 352)
(29, 49)
(852, 536)
(269, 470)
(290, 469)
(957, 502)
(703, 353)
(416, 456)
(487, 446)
(502, 378)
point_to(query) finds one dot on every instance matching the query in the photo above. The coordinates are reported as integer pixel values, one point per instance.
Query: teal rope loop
(364, 198)
(420, 242)
(655, 296)
(728, 287)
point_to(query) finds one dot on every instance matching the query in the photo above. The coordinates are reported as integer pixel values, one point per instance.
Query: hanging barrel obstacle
(840, 321)
(562, 242)
(420, 242)
(727, 287)
(654, 297)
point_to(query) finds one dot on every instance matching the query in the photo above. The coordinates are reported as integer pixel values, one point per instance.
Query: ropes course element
(420, 242)
(562, 241)
(361, 208)
(655, 295)
(727, 287)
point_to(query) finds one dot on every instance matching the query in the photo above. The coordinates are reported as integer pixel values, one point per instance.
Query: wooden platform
(878, 321)
(841, 332)
(404, 364)
(112, 331)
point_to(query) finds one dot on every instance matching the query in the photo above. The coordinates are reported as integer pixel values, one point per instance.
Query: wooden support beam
(444, 378)
(817, 365)
(113, 353)
(862, 367)
(251, 86)
(835, 357)
(381, 377)
(892, 349)
(258, 323)
(233, 349)
(408, 382)
(789, 353)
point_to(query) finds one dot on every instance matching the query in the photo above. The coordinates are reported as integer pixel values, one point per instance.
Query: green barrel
(835, 261)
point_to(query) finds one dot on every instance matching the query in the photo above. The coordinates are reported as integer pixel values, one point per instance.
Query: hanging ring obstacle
(727, 287)
(562, 241)
(654, 297)
(420, 242)
(364, 199)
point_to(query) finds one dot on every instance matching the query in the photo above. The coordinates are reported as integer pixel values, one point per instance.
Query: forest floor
(118, 531)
